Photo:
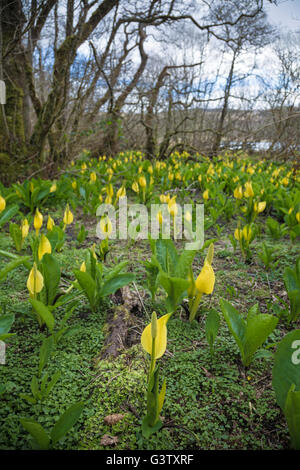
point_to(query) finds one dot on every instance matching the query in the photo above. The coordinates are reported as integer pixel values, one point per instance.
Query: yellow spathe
(161, 337)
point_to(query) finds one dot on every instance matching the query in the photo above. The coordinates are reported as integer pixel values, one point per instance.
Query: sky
(286, 14)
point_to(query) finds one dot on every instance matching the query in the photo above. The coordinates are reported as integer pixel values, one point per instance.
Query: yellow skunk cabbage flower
(259, 206)
(50, 223)
(53, 188)
(83, 267)
(238, 192)
(110, 190)
(238, 234)
(121, 192)
(74, 184)
(2, 204)
(205, 195)
(247, 232)
(37, 221)
(172, 207)
(24, 228)
(68, 216)
(160, 338)
(159, 217)
(248, 189)
(205, 282)
(142, 181)
(44, 247)
(200, 178)
(108, 199)
(35, 281)
(135, 187)
(93, 177)
(298, 217)
(106, 226)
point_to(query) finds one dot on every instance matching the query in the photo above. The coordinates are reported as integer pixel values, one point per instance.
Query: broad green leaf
(294, 297)
(52, 382)
(235, 322)
(45, 352)
(8, 213)
(184, 263)
(111, 286)
(51, 274)
(148, 430)
(12, 265)
(44, 313)
(166, 255)
(16, 234)
(88, 286)
(37, 432)
(6, 322)
(35, 387)
(66, 421)
(253, 311)
(290, 280)
(286, 369)
(292, 414)
(175, 288)
(212, 325)
(115, 270)
(258, 329)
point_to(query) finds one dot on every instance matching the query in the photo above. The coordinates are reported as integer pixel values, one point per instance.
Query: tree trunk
(219, 132)
(12, 128)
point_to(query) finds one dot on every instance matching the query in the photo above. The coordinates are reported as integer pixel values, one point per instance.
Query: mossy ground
(211, 402)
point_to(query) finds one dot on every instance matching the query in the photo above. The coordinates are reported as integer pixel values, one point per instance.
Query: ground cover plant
(86, 364)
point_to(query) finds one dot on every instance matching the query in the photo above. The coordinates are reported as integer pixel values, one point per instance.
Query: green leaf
(16, 234)
(286, 369)
(257, 331)
(8, 213)
(184, 263)
(6, 322)
(147, 429)
(52, 382)
(292, 414)
(45, 352)
(111, 286)
(175, 288)
(12, 265)
(212, 326)
(51, 274)
(88, 286)
(66, 421)
(37, 432)
(235, 322)
(35, 387)
(166, 255)
(44, 313)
